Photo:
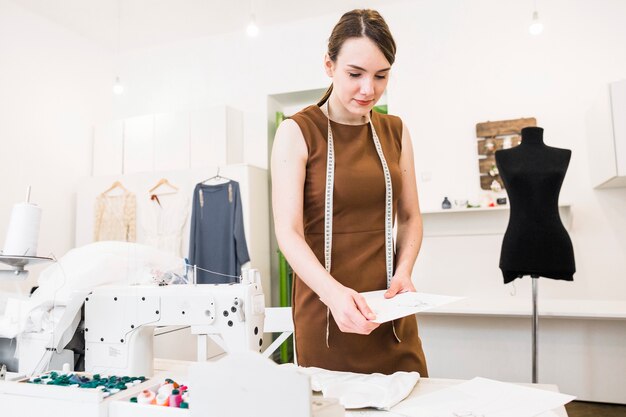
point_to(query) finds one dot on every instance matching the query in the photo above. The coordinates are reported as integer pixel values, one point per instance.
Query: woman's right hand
(350, 311)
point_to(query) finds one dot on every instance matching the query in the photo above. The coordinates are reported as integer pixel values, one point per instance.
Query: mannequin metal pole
(535, 280)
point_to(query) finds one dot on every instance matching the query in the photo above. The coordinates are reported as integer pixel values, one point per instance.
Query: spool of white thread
(166, 389)
(146, 397)
(23, 230)
(162, 399)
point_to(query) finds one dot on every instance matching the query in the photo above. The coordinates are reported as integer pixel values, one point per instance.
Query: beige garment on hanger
(115, 217)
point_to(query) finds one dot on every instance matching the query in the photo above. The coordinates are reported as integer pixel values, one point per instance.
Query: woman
(334, 220)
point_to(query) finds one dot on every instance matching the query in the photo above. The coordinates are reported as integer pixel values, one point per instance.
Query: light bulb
(252, 30)
(118, 88)
(536, 27)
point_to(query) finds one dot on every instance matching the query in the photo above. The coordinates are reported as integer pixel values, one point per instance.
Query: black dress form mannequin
(535, 242)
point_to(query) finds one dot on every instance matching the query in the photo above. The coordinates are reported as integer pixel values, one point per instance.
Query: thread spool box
(20, 398)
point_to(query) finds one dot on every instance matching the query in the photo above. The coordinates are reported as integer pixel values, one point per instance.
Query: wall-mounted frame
(492, 136)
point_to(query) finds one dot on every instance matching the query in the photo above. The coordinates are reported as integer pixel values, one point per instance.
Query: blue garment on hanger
(217, 239)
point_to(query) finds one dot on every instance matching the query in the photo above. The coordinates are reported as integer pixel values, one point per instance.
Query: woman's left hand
(400, 284)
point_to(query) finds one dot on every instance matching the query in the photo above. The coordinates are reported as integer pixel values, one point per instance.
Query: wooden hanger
(163, 181)
(113, 186)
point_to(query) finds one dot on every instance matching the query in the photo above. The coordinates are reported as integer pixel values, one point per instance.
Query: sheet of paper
(371, 413)
(483, 397)
(403, 304)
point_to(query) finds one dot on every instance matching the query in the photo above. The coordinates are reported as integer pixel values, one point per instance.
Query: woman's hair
(356, 24)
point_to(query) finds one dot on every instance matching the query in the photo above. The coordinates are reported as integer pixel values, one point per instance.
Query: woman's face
(360, 75)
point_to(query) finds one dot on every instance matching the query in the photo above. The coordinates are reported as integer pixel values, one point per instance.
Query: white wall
(458, 63)
(54, 86)
(475, 61)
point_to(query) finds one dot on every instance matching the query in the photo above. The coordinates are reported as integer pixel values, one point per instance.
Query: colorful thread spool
(166, 389)
(146, 397)
(162, 399)
(175, 398)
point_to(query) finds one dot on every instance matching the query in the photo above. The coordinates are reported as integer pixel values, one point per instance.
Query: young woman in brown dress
(342, 174)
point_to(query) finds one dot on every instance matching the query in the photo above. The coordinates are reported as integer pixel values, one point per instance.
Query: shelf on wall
(548, 308)
(476, 221)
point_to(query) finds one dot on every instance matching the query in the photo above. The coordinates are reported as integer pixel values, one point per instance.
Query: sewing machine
(120, 321)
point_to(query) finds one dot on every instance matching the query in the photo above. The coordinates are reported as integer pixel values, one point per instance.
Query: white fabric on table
(362, 390)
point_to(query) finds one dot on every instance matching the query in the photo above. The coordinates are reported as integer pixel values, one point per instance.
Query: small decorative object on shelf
(501, 201)
(445, 204)
(460, 203)
(494, 171)
(496, 187)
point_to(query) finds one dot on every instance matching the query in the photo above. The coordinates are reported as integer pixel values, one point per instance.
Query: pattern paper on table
(485, 398)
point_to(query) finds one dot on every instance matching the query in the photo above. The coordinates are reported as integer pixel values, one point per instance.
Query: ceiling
(145, 23)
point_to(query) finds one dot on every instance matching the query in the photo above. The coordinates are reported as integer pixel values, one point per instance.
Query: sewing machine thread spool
(23, 231)
(175, 398)
(162, 399)
(146, 397)
(166, 389)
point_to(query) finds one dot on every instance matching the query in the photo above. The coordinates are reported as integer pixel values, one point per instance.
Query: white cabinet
(618, 104)
(108, 148)
(606, 137)
(169, 142)
(138, 144)
(216, 137)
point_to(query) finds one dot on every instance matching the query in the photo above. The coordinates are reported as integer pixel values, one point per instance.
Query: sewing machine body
(120, 321)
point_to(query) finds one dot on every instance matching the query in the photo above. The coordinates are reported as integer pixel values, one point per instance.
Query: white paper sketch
(405, 304)
(485, 398)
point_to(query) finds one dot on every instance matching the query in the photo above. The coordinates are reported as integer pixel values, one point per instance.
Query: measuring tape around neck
(328, 211)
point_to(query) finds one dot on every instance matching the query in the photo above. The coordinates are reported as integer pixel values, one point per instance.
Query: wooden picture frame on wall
(492, 136)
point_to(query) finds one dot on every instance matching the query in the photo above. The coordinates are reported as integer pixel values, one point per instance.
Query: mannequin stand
(535, 280)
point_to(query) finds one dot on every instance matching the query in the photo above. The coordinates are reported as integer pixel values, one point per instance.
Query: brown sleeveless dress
(358, 248)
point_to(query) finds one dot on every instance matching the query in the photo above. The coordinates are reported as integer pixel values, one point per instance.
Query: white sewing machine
(120, 321)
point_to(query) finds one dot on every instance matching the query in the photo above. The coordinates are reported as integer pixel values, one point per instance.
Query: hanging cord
(44, 361)
(196, 267)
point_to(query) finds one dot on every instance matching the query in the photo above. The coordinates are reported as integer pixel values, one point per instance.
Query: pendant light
(118, 88)
(252, 29)
(536, 27)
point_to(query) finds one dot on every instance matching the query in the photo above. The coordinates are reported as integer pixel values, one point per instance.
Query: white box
(21, 398)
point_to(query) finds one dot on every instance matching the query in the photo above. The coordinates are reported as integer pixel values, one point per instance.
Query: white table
(424, 386)
(429, 385)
